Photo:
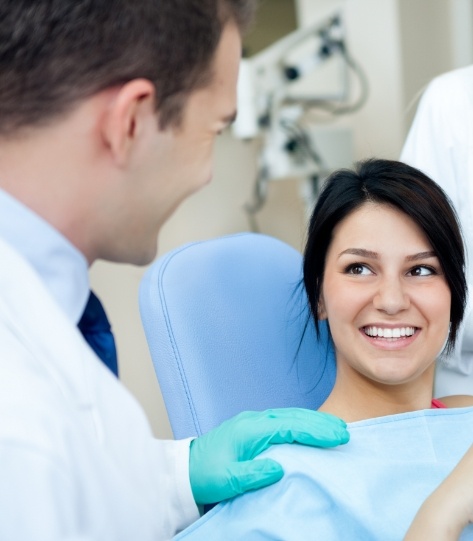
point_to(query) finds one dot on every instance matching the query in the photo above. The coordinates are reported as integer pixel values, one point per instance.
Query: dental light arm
(270, 75)
(272, 100)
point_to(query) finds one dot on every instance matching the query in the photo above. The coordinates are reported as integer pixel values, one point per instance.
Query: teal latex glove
(221, 464)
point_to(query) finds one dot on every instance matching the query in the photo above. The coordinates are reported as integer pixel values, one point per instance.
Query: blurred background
(326, 83)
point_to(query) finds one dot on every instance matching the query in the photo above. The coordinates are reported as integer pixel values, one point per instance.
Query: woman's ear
(321, 313)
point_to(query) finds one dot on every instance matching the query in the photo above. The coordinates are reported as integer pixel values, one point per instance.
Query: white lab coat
(77, 457)
(440, 143)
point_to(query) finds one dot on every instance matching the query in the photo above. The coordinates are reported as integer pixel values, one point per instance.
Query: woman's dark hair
(406, 189)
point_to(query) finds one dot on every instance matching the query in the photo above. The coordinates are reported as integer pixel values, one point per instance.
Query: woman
(384, 257)
(384, 264)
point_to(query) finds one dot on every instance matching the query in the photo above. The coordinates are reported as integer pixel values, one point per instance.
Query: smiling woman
(388, 304)
(384, 264)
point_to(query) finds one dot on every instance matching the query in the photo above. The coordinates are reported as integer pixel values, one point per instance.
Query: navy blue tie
(96, 330)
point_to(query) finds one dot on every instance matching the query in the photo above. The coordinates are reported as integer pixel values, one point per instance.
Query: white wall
(401, 45)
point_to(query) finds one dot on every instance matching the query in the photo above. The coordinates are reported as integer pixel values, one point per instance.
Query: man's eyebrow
(359, 251)
(421, 255)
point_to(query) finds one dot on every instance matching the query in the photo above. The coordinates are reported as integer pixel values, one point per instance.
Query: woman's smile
(390, 337)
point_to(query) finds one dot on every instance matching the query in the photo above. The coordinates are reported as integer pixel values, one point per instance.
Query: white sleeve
(41, 498)
(172, 459)
(431, 143)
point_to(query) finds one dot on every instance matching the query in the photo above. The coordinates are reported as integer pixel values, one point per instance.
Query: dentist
(108, 113)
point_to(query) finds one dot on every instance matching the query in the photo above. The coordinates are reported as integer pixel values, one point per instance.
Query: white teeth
(397, 332)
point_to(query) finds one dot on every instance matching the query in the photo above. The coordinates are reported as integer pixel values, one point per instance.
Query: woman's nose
(391, 296)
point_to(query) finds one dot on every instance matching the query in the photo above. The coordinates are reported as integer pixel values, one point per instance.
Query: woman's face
(385, 297)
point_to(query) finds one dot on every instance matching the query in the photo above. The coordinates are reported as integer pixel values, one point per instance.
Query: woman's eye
(358, 268)
(422, 271)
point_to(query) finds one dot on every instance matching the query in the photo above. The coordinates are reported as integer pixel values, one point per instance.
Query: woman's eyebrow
(421, 255)
(359, 251)
(374, 255)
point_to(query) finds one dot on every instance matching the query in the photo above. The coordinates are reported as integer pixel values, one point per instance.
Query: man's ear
(127, 118)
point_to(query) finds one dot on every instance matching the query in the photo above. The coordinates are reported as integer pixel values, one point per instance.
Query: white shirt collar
(61, 266)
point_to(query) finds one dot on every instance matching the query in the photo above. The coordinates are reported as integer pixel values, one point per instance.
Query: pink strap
(437, 404)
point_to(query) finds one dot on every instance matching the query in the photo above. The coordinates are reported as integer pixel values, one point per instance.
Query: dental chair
(227, 326)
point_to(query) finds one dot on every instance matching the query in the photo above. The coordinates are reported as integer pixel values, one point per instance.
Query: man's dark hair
(54, 53)
(401, 187)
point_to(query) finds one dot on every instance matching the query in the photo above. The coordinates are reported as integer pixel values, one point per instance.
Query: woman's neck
(355, 399)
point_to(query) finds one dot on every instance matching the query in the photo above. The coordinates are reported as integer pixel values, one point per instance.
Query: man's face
(178, 161)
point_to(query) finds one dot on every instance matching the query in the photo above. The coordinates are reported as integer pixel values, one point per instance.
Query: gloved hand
(221, 464)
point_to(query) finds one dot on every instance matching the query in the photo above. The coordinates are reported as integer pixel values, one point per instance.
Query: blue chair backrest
(228, 330)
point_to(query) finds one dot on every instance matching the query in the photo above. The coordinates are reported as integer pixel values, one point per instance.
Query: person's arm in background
(449, 509)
